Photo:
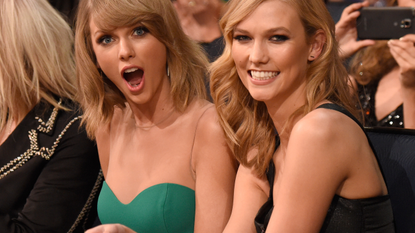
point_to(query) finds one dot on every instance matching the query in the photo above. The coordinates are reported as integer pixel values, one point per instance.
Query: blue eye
(140, 31)
(105, 40)
(279, 38)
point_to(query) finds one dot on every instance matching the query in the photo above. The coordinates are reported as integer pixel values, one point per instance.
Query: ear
(316, 45)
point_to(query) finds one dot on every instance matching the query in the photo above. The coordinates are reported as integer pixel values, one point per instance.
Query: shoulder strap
(342, 110)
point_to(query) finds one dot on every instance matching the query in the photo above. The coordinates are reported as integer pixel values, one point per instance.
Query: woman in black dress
(49, 169)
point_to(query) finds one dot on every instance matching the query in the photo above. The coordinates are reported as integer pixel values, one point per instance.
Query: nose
(126, 50)
(259, 53)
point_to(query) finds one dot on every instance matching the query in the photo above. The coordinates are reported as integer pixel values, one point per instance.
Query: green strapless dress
(161, 208)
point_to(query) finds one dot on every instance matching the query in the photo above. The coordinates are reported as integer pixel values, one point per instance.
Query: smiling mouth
(133, 76)
(263, 75)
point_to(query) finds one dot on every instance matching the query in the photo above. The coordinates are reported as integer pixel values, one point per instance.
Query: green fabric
(160, 208)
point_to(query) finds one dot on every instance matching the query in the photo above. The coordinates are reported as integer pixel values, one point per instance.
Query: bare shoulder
(329, 132)
(103, 137)
(327, 124)
(210, 141)
(206, 116)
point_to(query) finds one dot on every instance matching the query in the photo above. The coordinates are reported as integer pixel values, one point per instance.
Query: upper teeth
(130, 70)
(263, 75)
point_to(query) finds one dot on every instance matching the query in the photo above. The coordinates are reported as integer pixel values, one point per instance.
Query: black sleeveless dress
(344, 215)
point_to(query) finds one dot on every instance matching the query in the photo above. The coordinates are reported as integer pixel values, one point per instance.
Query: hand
(403, 50)
(346, 32)
(110, 228)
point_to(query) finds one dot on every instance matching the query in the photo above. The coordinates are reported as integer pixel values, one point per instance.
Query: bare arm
(403, 50)
(251, 193)
(215, 170)
(318, 160)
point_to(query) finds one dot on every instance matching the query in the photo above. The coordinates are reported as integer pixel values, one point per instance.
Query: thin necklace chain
(155, 124)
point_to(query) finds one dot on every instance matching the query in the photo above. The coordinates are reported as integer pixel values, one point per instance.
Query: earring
(312, 57)
(168, 71)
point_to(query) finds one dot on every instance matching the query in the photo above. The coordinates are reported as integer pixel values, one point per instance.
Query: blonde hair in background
(246, 121)
(36, 57)
(186, 60)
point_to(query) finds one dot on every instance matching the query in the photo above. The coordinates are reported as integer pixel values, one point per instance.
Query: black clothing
(214, 49)
(367, 101)
(344, 215)
(49, 173)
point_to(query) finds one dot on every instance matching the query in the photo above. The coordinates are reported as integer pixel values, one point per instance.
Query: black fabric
(344, 215)
(395, 150)
(48, 195)
(214, 49)
(366, 95)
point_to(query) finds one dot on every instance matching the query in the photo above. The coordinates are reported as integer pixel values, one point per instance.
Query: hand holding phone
(384, 23)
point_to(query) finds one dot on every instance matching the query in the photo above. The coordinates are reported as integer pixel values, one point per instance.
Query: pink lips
(133, 77)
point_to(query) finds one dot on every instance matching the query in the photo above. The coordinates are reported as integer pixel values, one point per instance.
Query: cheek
(238, 57)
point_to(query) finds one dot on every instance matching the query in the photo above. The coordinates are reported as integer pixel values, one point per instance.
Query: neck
(281, 111)
(157, 111)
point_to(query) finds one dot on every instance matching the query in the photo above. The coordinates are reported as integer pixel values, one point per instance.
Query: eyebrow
(269, 31)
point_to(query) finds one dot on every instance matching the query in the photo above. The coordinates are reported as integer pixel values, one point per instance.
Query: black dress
(49, 174)
(367, 101)
(344, 215)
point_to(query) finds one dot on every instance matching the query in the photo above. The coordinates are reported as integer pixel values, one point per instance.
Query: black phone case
(384, 23)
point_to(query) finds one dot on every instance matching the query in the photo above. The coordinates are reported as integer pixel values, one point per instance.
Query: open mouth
(133, 76)
(263, 75)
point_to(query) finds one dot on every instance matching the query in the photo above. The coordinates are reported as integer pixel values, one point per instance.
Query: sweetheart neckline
(150, 187)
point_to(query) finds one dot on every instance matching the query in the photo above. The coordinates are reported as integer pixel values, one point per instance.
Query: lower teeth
(134, 85)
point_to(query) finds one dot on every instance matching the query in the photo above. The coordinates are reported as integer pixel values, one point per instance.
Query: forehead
(272, 14)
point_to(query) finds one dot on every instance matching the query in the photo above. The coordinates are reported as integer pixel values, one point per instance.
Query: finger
(408, 37)
(364, 43)
(403, 44)
(404, 57)
(354, 7)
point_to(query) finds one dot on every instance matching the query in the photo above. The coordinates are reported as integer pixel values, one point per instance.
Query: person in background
(164, 156)
(200, 21)
(284, 102)
(383, 71)
(67, 8)
(49, 169)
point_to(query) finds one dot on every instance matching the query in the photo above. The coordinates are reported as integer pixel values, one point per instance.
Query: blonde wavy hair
(186, 60)
(246, 121)
(36, 57)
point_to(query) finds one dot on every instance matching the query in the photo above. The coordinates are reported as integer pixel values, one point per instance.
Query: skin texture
(396, 87)
(150, 142)
(321, 154)
(199, 18)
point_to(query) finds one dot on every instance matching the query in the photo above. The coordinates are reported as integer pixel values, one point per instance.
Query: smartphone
(384, 23)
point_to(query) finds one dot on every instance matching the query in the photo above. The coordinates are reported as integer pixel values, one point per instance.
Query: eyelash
(241, 38)
(143, 31)
(142, 28)
(276, 38)
(279, 38)
(103, 38)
